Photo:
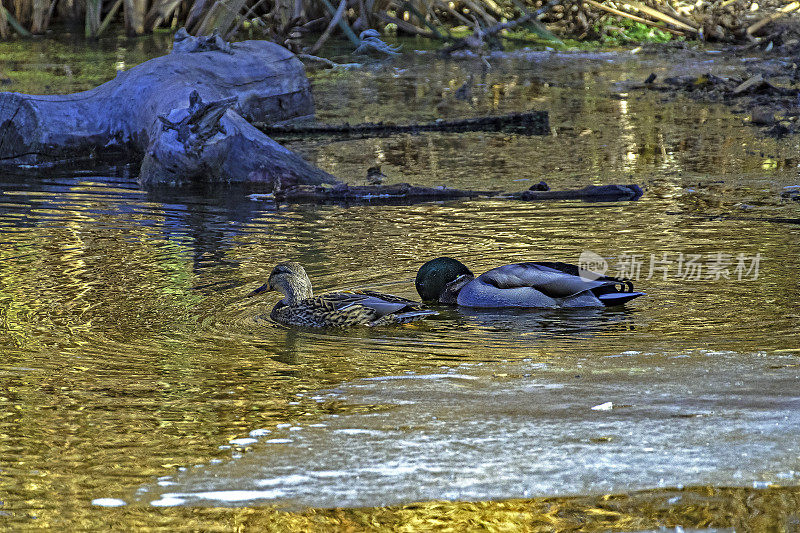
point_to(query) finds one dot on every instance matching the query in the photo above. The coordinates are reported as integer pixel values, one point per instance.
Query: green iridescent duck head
(440, 279)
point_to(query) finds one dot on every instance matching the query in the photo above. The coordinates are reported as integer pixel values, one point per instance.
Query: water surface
(131, 358)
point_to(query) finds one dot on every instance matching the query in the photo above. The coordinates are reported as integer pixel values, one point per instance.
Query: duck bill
(264, 288)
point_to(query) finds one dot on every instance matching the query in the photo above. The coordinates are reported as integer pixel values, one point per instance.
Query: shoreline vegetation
(478, 24)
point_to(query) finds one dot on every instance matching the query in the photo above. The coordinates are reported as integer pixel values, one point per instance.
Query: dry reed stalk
(363, 16)
(674, 14)
(423, 18)
(432, 14)
(406, 26)
(475, 8)
(659, 15)
(332, 24)
(195, 16)
(158, 13)
(49, 15)
(444, 4)
(343, 25)
(378, 6)
(135, 11)
(92, 18)
(109, 17)
(14, 24)
(249, 13)
(3, 24)
(528, 16)
(491, 4)
(20, 11)
(38, 15)
(221, 17)
(632, 17)
(785, 10)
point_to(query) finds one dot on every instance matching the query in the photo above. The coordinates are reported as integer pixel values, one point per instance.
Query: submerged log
(186, 114)
(528, 123)
(399, 193)
(404, 193)
(590, 193)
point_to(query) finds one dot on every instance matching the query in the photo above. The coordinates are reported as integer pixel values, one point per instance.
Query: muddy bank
(758, 80)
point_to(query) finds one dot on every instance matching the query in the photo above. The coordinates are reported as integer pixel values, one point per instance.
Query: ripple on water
(525, 430)
(125, 310)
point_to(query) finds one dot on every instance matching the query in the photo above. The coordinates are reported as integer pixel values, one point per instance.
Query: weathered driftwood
(188, 116)
(147, 111)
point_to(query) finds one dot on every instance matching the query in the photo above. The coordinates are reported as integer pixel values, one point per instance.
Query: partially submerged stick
(529, 123)
(404, 193)
(590, 193)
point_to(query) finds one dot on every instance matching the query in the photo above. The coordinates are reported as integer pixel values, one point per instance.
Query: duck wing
(410, 311)
(569, 268)
(544, 277)
(382, 304)
(373, 308)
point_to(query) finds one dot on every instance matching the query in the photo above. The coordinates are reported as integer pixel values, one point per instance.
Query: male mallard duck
(545, 284)
(300, 307)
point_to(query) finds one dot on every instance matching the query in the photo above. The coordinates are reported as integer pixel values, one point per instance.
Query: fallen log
(404, 193)
(528, 123)
(399, 193)
(590, 193)
(186, 115)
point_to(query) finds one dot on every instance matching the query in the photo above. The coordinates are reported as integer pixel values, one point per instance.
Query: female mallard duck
(300, 307)
(546, 285)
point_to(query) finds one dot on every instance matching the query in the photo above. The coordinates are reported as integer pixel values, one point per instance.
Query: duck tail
(403, 318)
(618, 298)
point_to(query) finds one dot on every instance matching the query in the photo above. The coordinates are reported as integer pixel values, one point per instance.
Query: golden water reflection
(720, 509)
(128, 350)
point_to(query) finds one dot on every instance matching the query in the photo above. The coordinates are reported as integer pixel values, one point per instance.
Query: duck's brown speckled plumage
(300, 307)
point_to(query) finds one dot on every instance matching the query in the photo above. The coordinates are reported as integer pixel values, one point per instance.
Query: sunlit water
(136, 373)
